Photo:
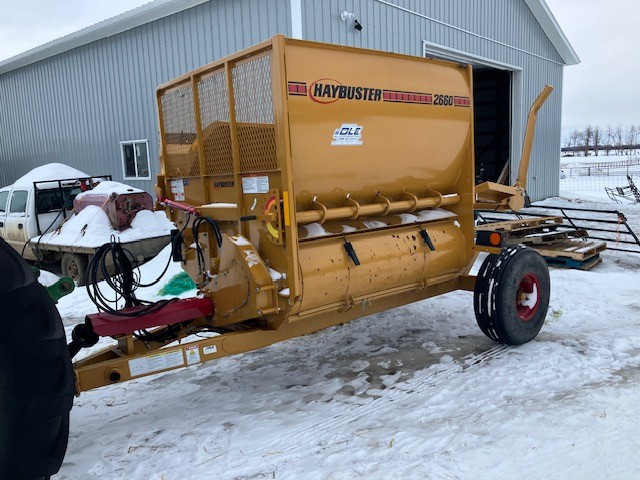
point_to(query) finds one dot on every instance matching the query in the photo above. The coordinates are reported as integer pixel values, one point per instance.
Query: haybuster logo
(328, 90)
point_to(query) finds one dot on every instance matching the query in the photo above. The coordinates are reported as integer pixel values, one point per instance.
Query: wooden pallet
(560, 246)
(545, 238)
(573, 249)
(524, 224)
(564, 262)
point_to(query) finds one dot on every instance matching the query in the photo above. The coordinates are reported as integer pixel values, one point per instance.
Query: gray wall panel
(78, 106)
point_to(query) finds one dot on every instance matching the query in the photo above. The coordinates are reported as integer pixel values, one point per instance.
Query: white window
(18, 201)
(4, 196)
(135, 160)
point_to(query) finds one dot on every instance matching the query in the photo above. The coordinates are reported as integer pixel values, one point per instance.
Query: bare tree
(578, 139)
(572, 140)
(597, 134)
(588, 135)
(608, 139)
(617, 140)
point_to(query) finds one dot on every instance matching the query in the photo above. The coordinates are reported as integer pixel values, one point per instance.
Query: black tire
(7, 407)
(480, 293)
(36, 375)
(74, 266)
(506, 307)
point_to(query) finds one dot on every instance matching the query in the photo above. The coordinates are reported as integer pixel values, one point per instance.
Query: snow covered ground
(415, 392)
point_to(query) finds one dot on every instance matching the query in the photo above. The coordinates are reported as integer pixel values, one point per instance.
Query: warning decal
(210, 350)
(156, 363)
(192, 353)
(257, 184)
(177, 188)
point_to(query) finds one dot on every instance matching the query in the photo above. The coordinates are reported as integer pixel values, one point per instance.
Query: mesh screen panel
(254, 115)
(215, 117)
(181, 155)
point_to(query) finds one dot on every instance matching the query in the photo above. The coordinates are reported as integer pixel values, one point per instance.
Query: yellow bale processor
(313, 184)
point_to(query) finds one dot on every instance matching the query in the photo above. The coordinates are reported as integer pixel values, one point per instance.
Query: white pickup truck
(43, 217)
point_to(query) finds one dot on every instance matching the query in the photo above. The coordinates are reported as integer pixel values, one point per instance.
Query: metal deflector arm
(529, 134)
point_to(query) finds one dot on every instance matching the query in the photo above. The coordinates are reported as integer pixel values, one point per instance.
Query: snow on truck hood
(50, 171)
(91, 228)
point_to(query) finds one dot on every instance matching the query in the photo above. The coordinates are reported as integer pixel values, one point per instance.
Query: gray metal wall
(506, 21)
(77, 107)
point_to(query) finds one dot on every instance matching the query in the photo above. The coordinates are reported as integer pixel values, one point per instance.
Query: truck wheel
(511, 296)
(74, 266)
(36, 375)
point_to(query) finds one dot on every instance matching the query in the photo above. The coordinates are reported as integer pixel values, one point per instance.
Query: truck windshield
(53, 199)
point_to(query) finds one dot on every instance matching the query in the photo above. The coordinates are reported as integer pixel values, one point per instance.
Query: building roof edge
(552, 29)
(112, 26)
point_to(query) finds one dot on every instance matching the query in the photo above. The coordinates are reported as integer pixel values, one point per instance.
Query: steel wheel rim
(73, 270)
(528, 297)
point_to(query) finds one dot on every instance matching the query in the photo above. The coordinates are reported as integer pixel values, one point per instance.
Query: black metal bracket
(427, 239)
(82, 336)
(176, 245)
(351, 252)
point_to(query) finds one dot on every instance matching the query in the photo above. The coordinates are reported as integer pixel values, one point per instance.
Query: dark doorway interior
(492, 112)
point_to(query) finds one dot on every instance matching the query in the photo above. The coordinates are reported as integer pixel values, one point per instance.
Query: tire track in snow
(302, 436)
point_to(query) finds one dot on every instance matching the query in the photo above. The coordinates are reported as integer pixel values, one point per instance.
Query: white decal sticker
(155, 363)
(255, 184)
(348, 134)
(192, 353)
(177, 188)
(254, 204)
(210, 350)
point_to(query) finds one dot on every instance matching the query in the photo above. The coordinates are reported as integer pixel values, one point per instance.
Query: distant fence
(604, 149)
(599, 168)
(577, 184)
(597, 179)
(595, 176)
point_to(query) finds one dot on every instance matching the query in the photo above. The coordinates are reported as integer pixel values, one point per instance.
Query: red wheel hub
(528, 297)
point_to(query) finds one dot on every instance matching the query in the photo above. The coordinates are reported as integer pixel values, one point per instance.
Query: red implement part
(165, 202)
(108, 325)
(120, 208)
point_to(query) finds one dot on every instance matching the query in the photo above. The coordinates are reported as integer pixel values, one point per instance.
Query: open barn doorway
(497, 104)
(492, 124)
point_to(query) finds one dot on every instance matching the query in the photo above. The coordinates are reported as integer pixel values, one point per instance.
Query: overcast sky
(25, 24)
(605, 34)
(603, 88)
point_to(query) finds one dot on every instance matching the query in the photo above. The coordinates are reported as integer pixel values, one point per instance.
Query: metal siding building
(76, 99)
